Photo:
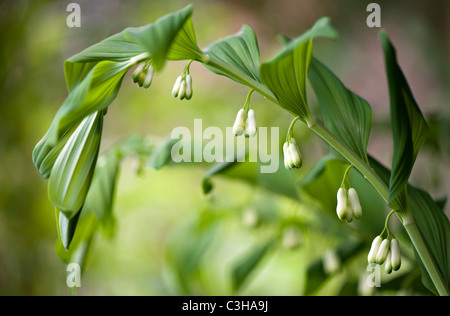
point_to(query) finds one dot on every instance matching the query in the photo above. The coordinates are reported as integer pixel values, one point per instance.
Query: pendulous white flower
(137, 72)
(188, 81)
(292, 157)
(354, 202)
(383, 251)
(176, 87)
(372, 257)
(387, 252)
(182, 89)
(143, 74)
(239, 123)
(341, 208)
(250, 124)
(344, 206)
(388, 263)
(148, 77)
(287, 156)
(395, 255)
(296, 158)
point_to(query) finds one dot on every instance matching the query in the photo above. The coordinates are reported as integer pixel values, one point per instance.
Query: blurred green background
(171, 239)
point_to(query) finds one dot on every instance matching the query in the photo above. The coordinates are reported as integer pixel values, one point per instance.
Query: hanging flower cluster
(182, 89)
(291, 152)
(292, 157)
(143, 74)
(348, 206)
(385, 250)
(245, 122)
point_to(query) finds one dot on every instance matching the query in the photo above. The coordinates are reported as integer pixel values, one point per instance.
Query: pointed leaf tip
(409, 128)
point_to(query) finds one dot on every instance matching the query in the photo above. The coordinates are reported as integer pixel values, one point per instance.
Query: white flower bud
(388, 264)
(239, 124)
(148, 77)
(250, 124)
(137, 72)
(341, 208)
(287, 156)
(383, 251)
(354, 202)
(141, 78)
(188, 87)
(395, 255)
(376, 243)
(176, 87)
(295, 154)
(182, 91)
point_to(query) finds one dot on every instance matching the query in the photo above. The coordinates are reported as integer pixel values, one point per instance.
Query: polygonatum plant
(82, 181)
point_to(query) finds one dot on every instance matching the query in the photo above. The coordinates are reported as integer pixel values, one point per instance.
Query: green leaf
(66, 227)
(162, 154)
(44, 155)
(81, 241)
(171, 37)
(94, 76)
(322, 28)
(240, 52)
(286, 73)
(409, 127)
(157, 38)
(96, 92)
(243, 268)
(184, 46)
(73, 169)
(434, 227)
(119, 47)
(286, 77)
(345, 114)
(79, 79)
(76, 72)
(97, 211)
(100, 197)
